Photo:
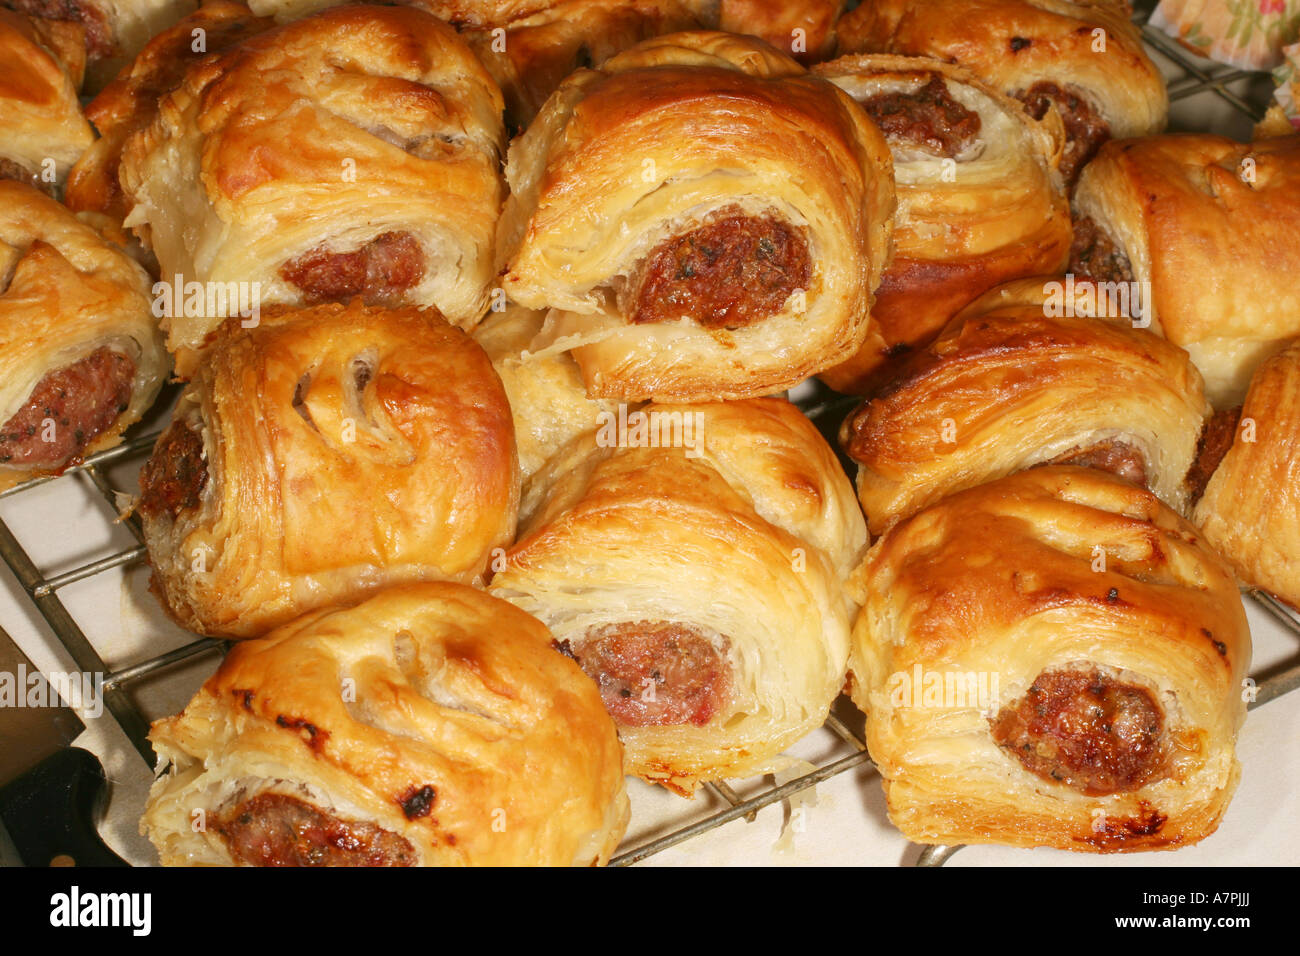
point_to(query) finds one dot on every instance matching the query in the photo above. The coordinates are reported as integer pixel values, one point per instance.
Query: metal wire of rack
(825, 409)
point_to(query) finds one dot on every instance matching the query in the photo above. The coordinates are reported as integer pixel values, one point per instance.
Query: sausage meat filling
(727, 274)
(1085, 131)
(1084, 729)
(1119, 458)
(68, 409)
(380, 271)
(173, 478)
(654, 673)
(1216, 441)
(929, 118)
(1095, 255)
(278, 830)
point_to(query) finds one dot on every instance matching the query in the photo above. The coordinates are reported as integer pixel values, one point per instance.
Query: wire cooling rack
(1188, 77)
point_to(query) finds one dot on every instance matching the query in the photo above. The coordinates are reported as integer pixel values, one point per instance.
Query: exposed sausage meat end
(1084, 729)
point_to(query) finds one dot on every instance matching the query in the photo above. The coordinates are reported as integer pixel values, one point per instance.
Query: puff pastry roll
(113, 31)
(692, 561)
(353, 153)
(707, 220)
(130, 102)
(529, 58)
(431, 725)
(1084, 59)
(1206, 226)
(1016, 382)
(459, 13)
(547, 398)
(805, 29)
(1248, 509)
(42, 128)
(81, 357)
(980, 200)
(1051, 659)
(324, 454)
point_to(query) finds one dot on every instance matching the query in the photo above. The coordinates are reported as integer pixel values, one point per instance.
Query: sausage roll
(42, 128)
(113, 31)
(547, 398)
(1249, 509)
(1207, 226)
(431, 725)
(530, 57)
(691, 559)
(1015, 382)
(326, 453)
(459, 13)
(1085, 59)
(130, 102)
(805, 29)
(1051, 659)
(353, 153)
(81, 357)
(707, 220)
(980, 201)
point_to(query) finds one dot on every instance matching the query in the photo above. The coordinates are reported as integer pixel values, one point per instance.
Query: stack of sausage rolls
(485, 312)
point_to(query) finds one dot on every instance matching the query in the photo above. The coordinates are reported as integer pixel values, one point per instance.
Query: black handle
(50, 811)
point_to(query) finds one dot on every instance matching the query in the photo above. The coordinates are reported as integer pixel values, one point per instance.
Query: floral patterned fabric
(1245, 33)
(1288, 84)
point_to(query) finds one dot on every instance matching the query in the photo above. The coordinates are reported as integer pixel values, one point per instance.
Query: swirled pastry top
(323, 454)
(1210, 224)
(1016, 380)
(429, 725)
(355, 152)
(65, 295)
(40, 118)
(969, 567)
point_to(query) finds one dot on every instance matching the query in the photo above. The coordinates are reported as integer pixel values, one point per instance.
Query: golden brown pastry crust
(741, 535)
(432, 711)
(42, 128)
(130, 102)
(1014, 382)
(1210, 224)
(529, 58)
(547, 398)
(345, 449)
(1119, 82)
(804, 29)
(64, 293)
(362, 129)
(994, 212)
(602, 180)
(1248, 511)
(1004, 581)
(459, 13)
(113, 31)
